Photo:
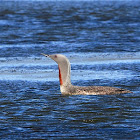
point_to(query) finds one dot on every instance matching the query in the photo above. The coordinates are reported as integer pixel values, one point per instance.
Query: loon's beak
(45, 55)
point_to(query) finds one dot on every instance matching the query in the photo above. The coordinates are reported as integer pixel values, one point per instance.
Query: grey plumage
(94, 90)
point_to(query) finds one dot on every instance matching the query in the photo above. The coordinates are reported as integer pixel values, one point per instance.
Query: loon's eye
(55, 56)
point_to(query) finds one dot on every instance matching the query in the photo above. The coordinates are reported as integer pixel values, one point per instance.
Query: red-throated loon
(68, 89)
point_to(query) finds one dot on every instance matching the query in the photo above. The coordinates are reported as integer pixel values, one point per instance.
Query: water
(101, 40)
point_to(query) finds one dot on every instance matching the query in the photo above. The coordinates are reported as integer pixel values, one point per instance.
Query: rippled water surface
(102, 42)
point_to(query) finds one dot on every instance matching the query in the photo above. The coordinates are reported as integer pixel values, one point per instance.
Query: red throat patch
(60, 77)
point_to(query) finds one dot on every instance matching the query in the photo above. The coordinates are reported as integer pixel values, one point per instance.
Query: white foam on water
(44, 69)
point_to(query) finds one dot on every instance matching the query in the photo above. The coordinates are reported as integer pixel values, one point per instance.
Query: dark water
(102, 41)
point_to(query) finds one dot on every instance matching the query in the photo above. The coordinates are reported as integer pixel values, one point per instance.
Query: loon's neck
(65, 73)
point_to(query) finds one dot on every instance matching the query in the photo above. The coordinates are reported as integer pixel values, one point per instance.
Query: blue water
(101, 40)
